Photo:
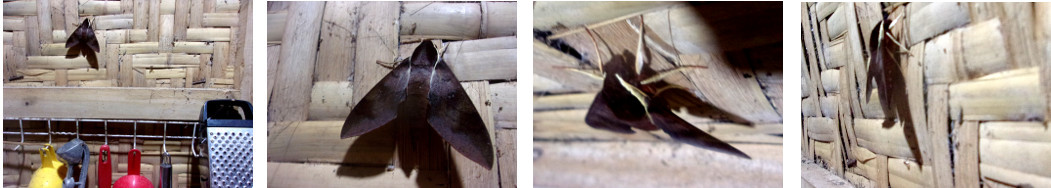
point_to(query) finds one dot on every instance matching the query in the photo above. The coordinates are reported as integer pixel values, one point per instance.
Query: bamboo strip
(938, 131)
(337, 45)
(55, 62)
(441, 19)
(193, 47)
(936, 18)
(503, 106)
(294, 77)
(811, 107)
(1016, 146)
(839, 53)
(830, 105)
(837, 23)
(830, 80)
(1013, 95)
(825, 9)
(499, 19)
(14, 23)
(576, 14)
(139, 48)
(182, 15)
(275, 26)
(566, 101)
(984, 49)
(383, 42)
(97, 8)
(331, 100)
(208, 34)
(20, 8)
(822, 129)
(220, 20)
(907, 173)
(884, 141)
(36, 75)
(227, 6)
(965, 143)
(1013, 177)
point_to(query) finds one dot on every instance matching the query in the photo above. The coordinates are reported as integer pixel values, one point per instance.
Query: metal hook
(193, 148)
(105, 128)
(135, 135)
(22, 133)
(49, 132)
(164, 139)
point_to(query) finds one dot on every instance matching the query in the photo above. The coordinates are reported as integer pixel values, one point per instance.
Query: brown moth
(83, 42)
(634, 96)
(885, 69)
(423, 91)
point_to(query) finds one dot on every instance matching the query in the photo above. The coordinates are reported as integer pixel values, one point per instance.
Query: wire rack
(21, 133)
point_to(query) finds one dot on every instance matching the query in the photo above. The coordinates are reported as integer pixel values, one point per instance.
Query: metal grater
(229, 142)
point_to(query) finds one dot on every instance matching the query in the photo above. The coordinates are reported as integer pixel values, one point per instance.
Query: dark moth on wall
(422, 91)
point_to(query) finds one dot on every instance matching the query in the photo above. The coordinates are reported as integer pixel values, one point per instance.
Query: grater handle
(134, 157)
(213, 106)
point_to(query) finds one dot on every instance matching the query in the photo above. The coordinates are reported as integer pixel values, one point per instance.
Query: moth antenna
(595, 43)
(586, 73)
(639, 95)
(670, 86)
(638, 51)
(441, 50)
(660, 76)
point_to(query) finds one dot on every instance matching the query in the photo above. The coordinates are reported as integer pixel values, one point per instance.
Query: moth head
(424, 55)
(85, 30)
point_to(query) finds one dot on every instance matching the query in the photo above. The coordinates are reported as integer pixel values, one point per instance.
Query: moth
(885, 69)
(83, 42)
(634, 96)
(423, 90)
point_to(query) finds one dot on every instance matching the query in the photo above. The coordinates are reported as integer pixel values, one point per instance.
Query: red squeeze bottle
(105, 171)
(133, 179)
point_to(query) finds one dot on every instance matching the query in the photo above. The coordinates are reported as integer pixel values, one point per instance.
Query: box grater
(229, 142)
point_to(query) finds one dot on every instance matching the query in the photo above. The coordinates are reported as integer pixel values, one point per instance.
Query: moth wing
(72, 41)
(682, 131)
(617, 108)
(380, 105)
(452, 114)
(93, 42)
(676, 98)
(601, 116)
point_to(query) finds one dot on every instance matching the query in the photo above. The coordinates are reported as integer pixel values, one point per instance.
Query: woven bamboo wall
(743, 77)
(324, 57)
(168, 44)
(159, 60)
(976, 79)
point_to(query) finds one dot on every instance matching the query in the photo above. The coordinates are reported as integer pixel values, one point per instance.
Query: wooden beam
(333, 176)
(109, 103)
(820, 177)
(613, 164)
